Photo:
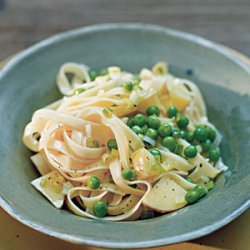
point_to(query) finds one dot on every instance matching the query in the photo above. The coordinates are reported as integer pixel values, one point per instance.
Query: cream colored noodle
(61, 134)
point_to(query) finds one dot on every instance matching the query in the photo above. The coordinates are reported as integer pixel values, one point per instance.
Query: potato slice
(165, 196)
(143, 162)
(53, 186)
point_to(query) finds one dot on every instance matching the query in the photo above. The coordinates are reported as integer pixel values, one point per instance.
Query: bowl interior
(28, 83)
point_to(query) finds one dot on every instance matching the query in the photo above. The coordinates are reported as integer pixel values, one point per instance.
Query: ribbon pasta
(70, 138)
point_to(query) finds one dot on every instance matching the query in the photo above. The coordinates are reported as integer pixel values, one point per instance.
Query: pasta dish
(122, 146)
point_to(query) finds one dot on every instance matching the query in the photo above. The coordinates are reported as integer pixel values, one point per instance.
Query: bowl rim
(240, 59)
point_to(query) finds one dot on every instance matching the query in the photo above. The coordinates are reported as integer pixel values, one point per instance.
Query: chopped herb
(107, 112)
(79, 91)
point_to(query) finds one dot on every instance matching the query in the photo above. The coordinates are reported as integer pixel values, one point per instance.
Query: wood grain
(24, 22)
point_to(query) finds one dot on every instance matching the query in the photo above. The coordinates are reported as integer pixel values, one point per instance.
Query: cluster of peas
(100, 208)
(152, 127)
(195, 194)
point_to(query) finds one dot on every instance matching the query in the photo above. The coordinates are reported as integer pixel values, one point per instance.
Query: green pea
(94, 182)
(156, 153)
(137, 129)
(190, 151)
(153, 110)
(128, 85)
(127, 173)
(140, 120)
(183, 122)
(131, 122)
(100, 209)
(152, 133)
(211, 133)
(189, 136)
(201, 190)
(112, 144)
(183, 134)
(214, 154)
(191, 196)
(92, 75)
(172, 111)
(190, 179)
(165, 130)
(200, 134)
(153, 122)
(206, 145)
(176, 133)
(170, 143)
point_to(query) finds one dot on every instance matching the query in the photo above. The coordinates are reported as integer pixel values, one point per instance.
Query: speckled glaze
(28, 83)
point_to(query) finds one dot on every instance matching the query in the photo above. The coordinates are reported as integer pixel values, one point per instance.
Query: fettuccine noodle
(111, 149)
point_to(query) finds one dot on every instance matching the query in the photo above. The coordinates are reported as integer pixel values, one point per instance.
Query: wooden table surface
(24, 22)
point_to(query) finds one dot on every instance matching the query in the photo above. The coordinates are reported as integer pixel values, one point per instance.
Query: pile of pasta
(70, 140)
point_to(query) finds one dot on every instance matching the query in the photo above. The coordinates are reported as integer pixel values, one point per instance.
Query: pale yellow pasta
(70, 138)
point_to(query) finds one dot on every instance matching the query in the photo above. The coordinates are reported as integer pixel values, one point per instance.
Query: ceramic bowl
(28, 83)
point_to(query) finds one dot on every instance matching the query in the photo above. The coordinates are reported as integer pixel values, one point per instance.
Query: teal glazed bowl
(28, 83)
